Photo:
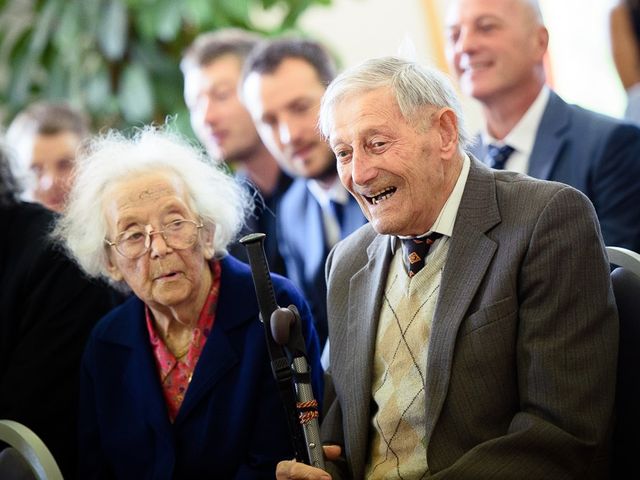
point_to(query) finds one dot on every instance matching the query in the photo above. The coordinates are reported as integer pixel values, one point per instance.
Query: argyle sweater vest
(398, 444)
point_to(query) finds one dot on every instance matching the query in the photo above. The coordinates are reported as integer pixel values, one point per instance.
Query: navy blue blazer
(263, 219)
(598, 155)
(231, 424)
(302, 243)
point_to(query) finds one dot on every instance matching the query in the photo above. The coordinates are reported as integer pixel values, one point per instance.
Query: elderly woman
(176, 383)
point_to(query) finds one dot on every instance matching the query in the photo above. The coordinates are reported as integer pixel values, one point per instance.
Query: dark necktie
(416, 251)
(498, 156)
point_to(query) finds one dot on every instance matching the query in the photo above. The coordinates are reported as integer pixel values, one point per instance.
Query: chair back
(625, 280)
(33, 451)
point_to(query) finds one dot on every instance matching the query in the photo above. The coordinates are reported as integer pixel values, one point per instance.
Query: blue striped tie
(498, 156)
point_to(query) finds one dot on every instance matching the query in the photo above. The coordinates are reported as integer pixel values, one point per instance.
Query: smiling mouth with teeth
(380, 196)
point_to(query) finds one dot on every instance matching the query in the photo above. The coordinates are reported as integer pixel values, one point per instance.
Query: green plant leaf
(168, 19)
(197, 12)
(20, 82)
(112, 31)
(97, 91)
(57, 82)
(68, 29)
(135, 95)
(151, 57)
(169, 92)
(236, 9)
(43, 28)
(144, 24)
(90, 14)
(118, 58)
(266, 4)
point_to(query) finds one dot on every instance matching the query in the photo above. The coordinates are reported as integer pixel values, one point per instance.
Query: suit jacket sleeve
(331, 426)
(616, 188)
(566, 353)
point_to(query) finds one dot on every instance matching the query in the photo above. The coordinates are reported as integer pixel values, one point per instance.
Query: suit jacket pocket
(489, 314)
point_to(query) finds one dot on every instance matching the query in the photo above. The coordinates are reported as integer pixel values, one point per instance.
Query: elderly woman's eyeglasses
(135, 242)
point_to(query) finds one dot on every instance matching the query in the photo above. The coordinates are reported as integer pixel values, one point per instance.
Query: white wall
(360, 29)
(581, 54)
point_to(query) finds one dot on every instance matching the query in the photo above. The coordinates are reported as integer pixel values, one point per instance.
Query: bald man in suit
(496, 48)
(496, 358)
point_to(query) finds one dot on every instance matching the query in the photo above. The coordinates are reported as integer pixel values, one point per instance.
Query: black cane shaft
(254, 244)
(267, 303)
(310, 428)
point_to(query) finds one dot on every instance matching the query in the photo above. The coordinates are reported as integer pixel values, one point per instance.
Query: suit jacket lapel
(365, 298)
(470, 253)
(216, 359)
(218, 356)
(550, 138)
(140, 375)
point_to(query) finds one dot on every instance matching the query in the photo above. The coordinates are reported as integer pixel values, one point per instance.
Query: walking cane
(285, 343)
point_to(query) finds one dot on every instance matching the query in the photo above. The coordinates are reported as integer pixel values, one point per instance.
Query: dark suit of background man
(497, 358)
(211, 66)
(496, 49)
(282, 84)
(47, 309)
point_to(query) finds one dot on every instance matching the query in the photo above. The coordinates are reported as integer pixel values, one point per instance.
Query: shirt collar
(335, 192)
(447, 217)
(523, 135)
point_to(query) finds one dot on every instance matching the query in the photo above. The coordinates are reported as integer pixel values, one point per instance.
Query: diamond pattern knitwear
(398, 448)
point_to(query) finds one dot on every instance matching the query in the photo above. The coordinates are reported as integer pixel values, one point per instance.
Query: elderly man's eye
(377, 147)
(342, 155)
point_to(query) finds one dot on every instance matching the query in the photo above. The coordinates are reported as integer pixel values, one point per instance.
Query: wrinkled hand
(292, 470)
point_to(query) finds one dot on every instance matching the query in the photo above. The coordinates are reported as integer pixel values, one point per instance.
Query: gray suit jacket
(522, 356)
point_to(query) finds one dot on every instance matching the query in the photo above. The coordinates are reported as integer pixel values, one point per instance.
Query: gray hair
(413, 85)
(212, 194)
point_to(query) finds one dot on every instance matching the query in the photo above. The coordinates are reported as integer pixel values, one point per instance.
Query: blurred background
(118, 59)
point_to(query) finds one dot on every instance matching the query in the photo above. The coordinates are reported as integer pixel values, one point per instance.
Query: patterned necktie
(416, 251)
(498, 156)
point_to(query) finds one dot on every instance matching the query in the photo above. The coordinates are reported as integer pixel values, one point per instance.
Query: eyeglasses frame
(149, 235)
